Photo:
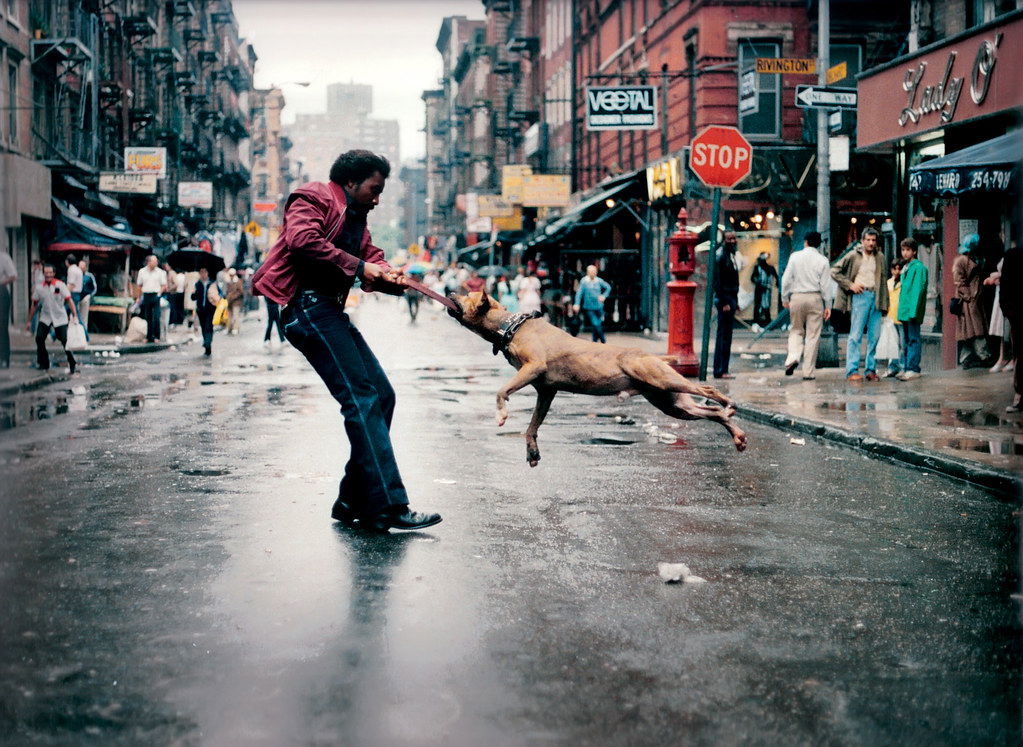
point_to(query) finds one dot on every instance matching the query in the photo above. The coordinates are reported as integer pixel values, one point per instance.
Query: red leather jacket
(313, 217)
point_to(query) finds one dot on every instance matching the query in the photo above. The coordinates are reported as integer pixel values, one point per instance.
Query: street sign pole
(708, 299)
(823, 157)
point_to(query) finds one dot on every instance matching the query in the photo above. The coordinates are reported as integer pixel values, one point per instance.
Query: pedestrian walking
(56, 308)
(152, 280)
(911, 305)
(324, 245)
(863, 293)
(806, 291)
(73, 275)
(89, 289)
(726, 292)
(8, 274)
(273, 317)
(235, 294)
(177, 282)
(473, 283)
(589, 300)
(999, 326)
(506, 294)
(889, 344)
(206, 296)
(529, 293)
(1012, 308)
(971, 322)
(764, 277)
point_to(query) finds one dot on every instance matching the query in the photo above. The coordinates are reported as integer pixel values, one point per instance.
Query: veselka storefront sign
(974, 75)
(621, 107)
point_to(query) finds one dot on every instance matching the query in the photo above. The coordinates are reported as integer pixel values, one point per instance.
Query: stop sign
(720, 156)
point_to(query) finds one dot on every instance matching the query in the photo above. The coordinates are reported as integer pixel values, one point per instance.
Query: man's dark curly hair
(358, 166)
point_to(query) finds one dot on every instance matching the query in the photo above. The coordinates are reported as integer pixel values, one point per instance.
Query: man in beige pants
(807, 292)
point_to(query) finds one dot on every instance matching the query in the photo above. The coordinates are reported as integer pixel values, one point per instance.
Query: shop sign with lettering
(972, 76)
(664, 179)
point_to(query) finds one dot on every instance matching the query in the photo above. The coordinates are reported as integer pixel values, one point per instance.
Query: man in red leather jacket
(323, 247)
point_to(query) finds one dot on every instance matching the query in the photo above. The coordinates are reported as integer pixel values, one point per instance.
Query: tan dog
(552, 360)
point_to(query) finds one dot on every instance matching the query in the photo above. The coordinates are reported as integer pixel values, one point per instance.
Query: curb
(36, 383)
(1007, 484)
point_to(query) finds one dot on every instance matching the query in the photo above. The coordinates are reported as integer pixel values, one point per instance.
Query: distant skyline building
(347, 124)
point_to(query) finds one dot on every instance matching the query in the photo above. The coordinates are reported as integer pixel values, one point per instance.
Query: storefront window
(762, 121)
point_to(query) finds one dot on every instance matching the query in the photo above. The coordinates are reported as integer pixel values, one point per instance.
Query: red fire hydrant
(682, 259)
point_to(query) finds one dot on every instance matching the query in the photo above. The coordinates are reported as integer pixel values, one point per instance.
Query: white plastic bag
(76, 336)
(888, 341)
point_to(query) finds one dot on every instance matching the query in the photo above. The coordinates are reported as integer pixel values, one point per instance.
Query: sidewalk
(951, 422)
(22, 376)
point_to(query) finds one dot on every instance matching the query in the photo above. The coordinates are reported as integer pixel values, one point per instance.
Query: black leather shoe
(403, 519)
(344, 513)
(791, 368)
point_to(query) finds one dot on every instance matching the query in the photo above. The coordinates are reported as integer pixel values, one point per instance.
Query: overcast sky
(388, 44)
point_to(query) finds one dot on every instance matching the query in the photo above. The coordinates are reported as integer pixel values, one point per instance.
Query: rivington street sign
(720, 156)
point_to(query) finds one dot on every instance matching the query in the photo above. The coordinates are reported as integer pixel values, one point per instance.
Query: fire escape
(66, 108)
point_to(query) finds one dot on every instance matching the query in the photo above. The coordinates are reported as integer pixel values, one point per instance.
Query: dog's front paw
(501, 417)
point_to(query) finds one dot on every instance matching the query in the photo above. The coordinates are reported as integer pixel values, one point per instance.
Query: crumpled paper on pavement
(672, 573)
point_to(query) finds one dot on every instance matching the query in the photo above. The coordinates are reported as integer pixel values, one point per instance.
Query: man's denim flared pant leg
(864, 316)
(327, 338)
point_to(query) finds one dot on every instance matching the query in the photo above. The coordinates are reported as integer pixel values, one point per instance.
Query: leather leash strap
(417, 286)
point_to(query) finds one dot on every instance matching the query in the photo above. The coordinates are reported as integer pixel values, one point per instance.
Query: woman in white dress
(999, 327)
(529, 294)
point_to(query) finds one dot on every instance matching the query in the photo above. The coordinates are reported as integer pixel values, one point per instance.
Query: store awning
(72, 227)
(991, 167)
(578, 212)
(78, 248)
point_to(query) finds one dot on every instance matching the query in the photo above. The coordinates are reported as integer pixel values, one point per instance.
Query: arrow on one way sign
(821, 97)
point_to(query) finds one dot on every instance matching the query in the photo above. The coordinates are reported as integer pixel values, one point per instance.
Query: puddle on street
(205, 472)
(34, 407)
(1006, 446)
(611, 441)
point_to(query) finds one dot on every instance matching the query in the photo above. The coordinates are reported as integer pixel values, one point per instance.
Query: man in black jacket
(726, 291)
(205, 307)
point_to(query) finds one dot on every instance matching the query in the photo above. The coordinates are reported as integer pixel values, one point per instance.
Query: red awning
(86, 248)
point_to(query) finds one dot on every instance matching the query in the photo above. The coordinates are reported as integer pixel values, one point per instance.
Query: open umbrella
(418, 268)
(188, 260)
(492, 271)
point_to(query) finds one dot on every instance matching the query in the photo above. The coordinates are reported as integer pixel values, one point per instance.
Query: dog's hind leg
(683, 407)
(523, 377)
(652, 371)
(544, 397)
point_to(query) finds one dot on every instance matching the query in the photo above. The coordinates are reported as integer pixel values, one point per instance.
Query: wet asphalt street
(170, 574)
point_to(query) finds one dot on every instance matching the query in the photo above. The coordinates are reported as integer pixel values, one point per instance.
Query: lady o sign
(721, 156)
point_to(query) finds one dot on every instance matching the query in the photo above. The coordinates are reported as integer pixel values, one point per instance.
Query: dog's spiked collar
(509, 327)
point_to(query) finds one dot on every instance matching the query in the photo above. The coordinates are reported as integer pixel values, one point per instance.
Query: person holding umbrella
(206, 296)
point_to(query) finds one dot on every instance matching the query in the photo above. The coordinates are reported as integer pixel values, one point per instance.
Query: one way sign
(821, 97)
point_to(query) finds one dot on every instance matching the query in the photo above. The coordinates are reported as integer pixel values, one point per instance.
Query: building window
(762, 121)
(852, 56)
(12, 103)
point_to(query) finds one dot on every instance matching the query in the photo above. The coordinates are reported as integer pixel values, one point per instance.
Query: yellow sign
(511, 222)
(146, 161)
(546, 190)
(495, 206)
(512, 179)
(837, 73)
(780, 65)
(253, 228)
(664, 179)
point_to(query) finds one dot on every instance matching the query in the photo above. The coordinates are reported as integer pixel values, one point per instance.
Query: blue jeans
(320, 329)
(911, 347)
(595, 318)
(865, 316)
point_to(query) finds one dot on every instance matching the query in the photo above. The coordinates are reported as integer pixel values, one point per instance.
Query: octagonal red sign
(720, 156)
